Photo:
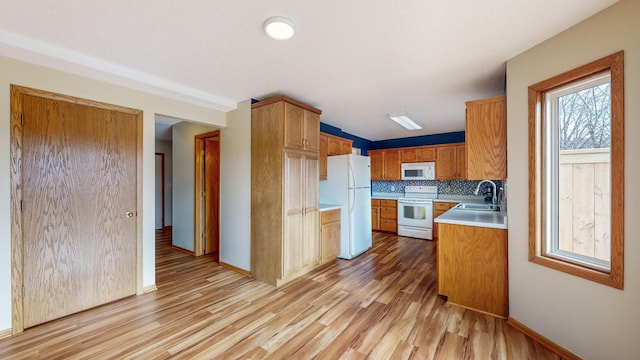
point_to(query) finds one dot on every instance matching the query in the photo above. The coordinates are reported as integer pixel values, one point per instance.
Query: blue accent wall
(366, 145)
(436, 139)
(358, 142)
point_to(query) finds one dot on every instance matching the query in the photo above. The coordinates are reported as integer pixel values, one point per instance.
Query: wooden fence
(584, 202)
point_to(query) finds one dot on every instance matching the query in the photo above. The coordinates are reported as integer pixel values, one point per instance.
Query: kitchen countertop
(488, 219)
(386, 196)
(327, 207)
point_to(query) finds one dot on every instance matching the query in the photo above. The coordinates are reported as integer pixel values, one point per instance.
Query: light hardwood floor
(381, 305)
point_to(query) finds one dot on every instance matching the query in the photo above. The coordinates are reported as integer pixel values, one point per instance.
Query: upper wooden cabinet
(486, 138)
(385, 164)
(301, 128)
(323, 156)
(329, 146)
(418, 154)
(451, 162)
(337, 145)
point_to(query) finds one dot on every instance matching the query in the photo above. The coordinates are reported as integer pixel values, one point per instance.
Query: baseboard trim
(559, 350)
(236, 269)
(149, 288)
(182, 249)
(5, 333)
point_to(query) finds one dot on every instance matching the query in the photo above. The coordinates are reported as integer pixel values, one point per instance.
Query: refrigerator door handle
(352, 188)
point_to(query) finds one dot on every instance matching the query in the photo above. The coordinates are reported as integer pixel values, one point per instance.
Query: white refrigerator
(349, 184)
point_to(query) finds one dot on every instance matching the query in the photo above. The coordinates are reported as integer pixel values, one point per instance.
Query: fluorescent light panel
(404, 120)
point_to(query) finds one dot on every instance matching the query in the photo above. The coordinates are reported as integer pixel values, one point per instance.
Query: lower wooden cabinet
(384, 215)
(375, 214)
(439, 208)
(472, 268)
(329, 235)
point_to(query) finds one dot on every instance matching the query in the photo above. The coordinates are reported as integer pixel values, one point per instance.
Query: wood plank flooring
(381, 305)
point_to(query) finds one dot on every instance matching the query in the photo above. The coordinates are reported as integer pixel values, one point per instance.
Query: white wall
(235, 184)
(183, 181)
(592, 320)
(166, 148)
(25, 74)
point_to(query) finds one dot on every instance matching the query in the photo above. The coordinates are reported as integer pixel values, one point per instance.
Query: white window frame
(552, 172)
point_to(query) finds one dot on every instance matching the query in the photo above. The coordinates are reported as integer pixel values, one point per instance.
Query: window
(576, 171)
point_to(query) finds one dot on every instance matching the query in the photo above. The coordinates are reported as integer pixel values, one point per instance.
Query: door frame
(15, 149)
(198, 191)
(162, 176)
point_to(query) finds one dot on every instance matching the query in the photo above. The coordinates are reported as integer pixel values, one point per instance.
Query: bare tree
(585, 118)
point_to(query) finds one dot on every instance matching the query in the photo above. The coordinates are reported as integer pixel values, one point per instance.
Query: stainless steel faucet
(494, 199)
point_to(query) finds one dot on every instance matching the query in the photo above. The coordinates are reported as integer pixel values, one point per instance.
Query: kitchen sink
(477, 207)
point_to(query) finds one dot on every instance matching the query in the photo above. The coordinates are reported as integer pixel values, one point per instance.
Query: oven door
(415, 213)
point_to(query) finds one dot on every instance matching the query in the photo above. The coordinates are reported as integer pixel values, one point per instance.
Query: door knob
(129, 214)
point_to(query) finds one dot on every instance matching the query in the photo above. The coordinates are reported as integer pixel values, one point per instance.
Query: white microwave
(419, 171)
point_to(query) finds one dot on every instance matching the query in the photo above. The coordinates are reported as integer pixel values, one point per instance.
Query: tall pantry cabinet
(284, 189)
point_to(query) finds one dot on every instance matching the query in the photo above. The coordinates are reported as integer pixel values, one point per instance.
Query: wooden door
(159, 199)
(212, 194)
(79, 207)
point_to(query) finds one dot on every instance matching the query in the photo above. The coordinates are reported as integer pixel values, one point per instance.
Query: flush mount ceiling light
(404, 120)
(279, 28)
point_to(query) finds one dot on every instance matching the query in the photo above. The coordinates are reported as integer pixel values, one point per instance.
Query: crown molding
(59, 58)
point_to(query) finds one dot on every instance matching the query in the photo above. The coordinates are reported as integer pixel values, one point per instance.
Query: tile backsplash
(445, 187)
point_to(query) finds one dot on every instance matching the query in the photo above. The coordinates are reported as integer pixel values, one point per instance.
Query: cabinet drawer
(388, 203)
(388, 225)
(443, 205)
(388, 213)
(330, 216)
(375, 202)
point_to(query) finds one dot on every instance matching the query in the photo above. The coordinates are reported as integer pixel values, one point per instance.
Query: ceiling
(356, 60)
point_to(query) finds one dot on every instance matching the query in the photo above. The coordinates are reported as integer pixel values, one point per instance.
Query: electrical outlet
(393, 188)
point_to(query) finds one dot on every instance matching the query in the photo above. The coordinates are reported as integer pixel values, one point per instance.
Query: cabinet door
(418, 154)
(375, 214)
(345, 147)
(294, 124)
(486, 139)
(311, 242)
(311, 135)
(323, 157)
(446, 163)
(294, 202)
(408, 155)
(330, 241)
(377, 165)
(425, 154)
(333, 146)
(392, 165)
(461, 162)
